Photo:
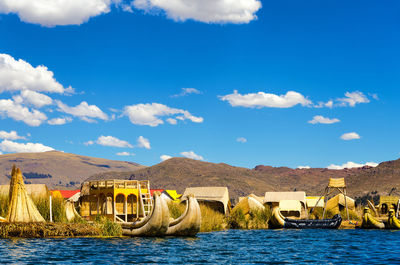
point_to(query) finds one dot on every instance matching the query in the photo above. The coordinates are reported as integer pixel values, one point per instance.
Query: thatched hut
(216, 198)
(291, 203)
(338, 203)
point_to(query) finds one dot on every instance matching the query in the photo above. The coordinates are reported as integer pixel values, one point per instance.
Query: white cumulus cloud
(352, 165)
(241, 140)
(323, 120)
(261, 100)
(353, 98)
(10, 109)
(186, 91)
(59, 121)
(14, 147)
(303, 167)
(125, 154)
(55, 12)
(150, 114)
(165, 157)
(12, 135)
(350, 136)
(112, 141)
(34, 98)
(208, 11)
(192, 155)
(143, 142)
(84, 111)
(19, 75)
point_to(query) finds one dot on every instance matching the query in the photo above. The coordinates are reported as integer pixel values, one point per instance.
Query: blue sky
(114, 77)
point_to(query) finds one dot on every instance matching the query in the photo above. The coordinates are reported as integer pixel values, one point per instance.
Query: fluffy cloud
(351, 165)
(350, 136)
(241, 140)
(192, 155)
(12, 135)
(208, 11)
(261, 100)
(18, 75)
(125, 154)
(165, 157)
(111, 141)
(150, 114)
(353, 98)
(303, 167)
(187, 91)
(143, 142)
(323, 120)
(34, 98)
(51, 13)
(14, 147)
(84, 111)
(59, 121)
(89, 143)
(8, 108)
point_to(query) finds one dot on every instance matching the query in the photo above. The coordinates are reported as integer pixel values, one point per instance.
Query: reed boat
(154, 224)
(279, 221)
(393, 222)
(188, 224)
(370, 222)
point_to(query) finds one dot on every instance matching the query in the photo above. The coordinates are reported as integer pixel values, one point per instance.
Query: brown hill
(59, 169)
(179, 173)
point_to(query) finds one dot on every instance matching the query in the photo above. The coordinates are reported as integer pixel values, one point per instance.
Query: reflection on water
(234, 246)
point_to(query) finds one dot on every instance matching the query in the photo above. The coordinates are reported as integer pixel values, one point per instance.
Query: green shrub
(108, 227)
(211, 220)
(176, 209)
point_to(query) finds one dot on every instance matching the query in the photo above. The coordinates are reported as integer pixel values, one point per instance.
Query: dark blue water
(227, 247)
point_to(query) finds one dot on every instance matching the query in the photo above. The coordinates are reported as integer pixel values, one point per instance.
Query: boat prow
(188, 224)
(279, 221)
(393, 222)
(370, 222)
(154, 224)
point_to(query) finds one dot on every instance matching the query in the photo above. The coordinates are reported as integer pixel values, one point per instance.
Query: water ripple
(227, 247)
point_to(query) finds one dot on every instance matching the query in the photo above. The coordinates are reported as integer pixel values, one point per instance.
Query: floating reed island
(130, 208)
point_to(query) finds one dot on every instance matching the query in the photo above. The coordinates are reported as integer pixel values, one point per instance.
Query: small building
(313, 200)
(385, 202)
(119, 200)
(171, 196)
(291, 201)
(338, 204)
(216, 198)
(71, 195)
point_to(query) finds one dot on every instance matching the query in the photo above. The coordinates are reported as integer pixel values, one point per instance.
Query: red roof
(67, 193)
(152, 191)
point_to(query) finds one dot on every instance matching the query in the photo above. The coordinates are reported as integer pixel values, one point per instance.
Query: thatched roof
(290, 206)
(271, 197)
(339, 200)
(219, 194)
(312, 201)
(21, 207)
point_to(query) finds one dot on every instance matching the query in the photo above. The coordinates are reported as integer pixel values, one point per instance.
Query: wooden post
(98, 203)
(345, 203)
(126, 209)
(114, 210)
(326, 194)
(51, 210)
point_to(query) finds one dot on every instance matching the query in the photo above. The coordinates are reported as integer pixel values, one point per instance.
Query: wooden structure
(386, 202)
(291, 203)
(119, 200)
(335, 184)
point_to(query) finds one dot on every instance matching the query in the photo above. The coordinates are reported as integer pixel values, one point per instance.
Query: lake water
(227, 247)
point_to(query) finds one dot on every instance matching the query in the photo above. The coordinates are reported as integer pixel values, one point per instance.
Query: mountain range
(68, 171)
